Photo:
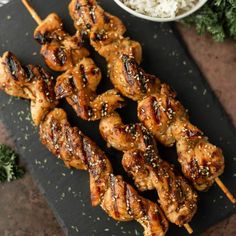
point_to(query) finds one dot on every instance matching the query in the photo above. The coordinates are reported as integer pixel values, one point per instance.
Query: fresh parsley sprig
(9, 169)
(218, 17)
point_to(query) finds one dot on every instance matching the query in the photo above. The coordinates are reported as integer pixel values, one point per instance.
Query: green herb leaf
(217, 17)
(9, 170)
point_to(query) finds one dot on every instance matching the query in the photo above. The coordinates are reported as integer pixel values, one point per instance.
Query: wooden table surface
(24, 211)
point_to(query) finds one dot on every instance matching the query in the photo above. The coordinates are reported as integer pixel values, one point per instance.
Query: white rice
(161, 8)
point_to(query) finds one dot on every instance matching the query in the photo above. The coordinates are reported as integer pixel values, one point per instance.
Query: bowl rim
(160, 19)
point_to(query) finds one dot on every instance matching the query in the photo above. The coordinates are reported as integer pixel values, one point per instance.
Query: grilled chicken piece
(124, 46)
(91, 19)
(85, 14)
(60, 50)
(79, 86)
(166, 118)
(141, 160)
(123, 203)
(76, 150)
(30, 82)
(114, 195)
(132, 81)
(159, 112)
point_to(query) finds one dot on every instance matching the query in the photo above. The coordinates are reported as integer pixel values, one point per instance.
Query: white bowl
(159, 19)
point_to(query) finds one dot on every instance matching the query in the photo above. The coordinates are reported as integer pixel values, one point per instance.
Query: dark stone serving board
(67, 191)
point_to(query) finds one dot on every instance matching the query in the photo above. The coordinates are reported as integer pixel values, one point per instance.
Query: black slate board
(67, 191)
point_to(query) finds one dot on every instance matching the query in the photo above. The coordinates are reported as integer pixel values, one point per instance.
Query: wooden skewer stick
(32, 12)
(39, 21)
(188, 228)
(225, 190)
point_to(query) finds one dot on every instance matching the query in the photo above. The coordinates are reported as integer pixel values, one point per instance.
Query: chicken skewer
(142, 162)
(81, 76)
(202, 163)
(118, 199)
(178, 217)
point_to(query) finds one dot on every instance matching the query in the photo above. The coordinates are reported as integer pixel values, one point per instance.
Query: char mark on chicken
(60, 50)
(115, 196)
(158, 108)
(143, 163)
(29, 82)
(78, 85)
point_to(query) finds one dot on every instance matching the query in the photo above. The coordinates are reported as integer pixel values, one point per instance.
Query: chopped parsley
(217, 17)
(9, 169)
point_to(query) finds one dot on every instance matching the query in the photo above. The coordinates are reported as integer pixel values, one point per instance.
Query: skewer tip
(225, 190)
(32, 12)
(188, 228)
